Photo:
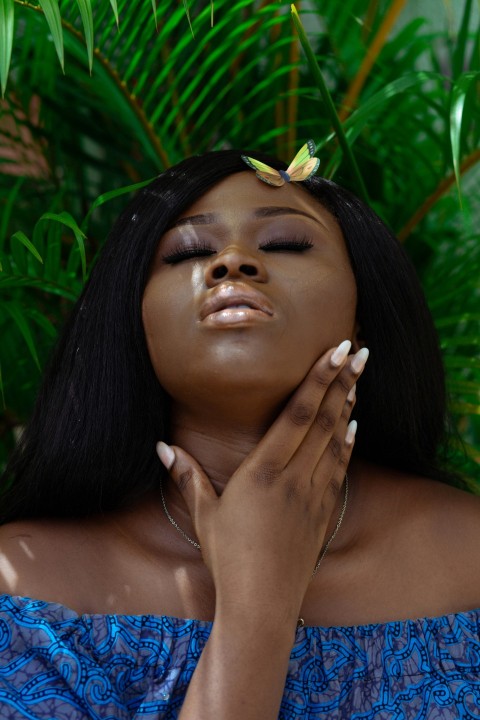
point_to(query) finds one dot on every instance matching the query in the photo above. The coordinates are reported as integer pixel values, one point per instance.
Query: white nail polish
(351, 431)
(340, 353)
(166, 454)
(351, 394)
(359, 360)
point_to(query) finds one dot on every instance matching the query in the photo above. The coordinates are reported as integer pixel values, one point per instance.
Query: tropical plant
(167, 84)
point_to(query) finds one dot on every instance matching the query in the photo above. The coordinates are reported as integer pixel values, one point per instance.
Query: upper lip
(229, 294)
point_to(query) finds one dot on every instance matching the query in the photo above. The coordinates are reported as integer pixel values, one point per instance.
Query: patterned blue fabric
(58, 665)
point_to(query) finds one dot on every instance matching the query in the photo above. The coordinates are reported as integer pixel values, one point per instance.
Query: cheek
(158, 318)
(328, 301)
(167, 313)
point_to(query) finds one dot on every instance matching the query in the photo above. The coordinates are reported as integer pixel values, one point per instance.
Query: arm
(261, 538)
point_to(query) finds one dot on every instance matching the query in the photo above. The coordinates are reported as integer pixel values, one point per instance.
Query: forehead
(237, 197)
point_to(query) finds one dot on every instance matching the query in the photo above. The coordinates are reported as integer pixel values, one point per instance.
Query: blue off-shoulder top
(58, 665)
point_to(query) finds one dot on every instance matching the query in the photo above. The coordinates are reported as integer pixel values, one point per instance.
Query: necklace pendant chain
(175, 525)
(335, 531)
(322, 554)
(300, 621)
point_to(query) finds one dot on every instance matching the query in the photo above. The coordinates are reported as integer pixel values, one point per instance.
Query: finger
(189, 477)
(281, 441)
(337, 479)
(327, 432)
(315, 446)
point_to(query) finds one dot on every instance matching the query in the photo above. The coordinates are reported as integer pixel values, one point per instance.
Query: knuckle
(291, 489)
(344, 382)
(326, 421)
(265, 474)
(334, 488)
(322, 377)
(184, 479)
(347, 409)
(335, 447)
(301, 414)
(343, 463)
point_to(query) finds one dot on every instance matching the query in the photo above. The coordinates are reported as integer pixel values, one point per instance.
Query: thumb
(189, 477)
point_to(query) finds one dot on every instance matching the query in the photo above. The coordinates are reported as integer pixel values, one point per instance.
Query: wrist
(266, 618)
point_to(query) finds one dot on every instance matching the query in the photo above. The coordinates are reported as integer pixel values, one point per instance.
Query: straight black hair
(90, 443)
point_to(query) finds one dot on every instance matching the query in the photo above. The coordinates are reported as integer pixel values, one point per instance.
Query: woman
(229, 320)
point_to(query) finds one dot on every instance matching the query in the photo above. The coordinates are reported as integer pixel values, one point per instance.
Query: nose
(235, 263)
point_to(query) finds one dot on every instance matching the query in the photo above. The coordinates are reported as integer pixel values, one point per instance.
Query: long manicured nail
(351, 431)
(340, 353)
(359, 360)
(351, 394)
(166, 454)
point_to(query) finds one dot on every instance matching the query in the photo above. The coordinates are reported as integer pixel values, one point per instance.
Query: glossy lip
(227, 296)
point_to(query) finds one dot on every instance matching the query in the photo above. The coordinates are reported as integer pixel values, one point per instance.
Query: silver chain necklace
(322, 554)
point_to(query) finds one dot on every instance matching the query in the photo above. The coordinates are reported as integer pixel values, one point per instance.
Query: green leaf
(111, 195)
(456, 319)
(85, 8)
(66, 219)
(113, 3)
(185, 5)
(7, 209)
(1, 387)
(43, 322)
(19, 257)
(462, 40)
(327, 99)
(7, 15)
(21, 237)
(459, 93)
(53, 252)
(54, 21)
(465, 409)
(154, 7)
(363, 115)
(18, 316)
(46, 286)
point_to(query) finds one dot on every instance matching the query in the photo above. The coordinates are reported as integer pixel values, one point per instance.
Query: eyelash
(280, 244)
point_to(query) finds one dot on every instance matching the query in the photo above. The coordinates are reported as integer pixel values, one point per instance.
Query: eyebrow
(262, 212)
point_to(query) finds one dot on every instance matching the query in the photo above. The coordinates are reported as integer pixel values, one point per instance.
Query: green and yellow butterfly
(302, 167)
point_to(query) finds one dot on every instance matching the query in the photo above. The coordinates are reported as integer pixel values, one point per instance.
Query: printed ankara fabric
(57, 664)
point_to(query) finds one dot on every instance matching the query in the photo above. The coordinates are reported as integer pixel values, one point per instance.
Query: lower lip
(236, 316)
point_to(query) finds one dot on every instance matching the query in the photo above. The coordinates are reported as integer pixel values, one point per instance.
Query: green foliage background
(167, 82)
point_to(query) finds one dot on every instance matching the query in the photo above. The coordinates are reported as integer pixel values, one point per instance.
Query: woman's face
(247, 289)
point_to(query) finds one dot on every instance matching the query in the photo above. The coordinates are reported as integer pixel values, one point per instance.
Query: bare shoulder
(444, 513)
(431, 533)
(38, 556)
(448, 513)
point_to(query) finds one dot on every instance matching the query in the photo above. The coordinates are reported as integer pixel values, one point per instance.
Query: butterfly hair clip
(302, 167)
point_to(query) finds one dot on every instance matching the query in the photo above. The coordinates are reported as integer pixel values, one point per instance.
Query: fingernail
(351, 431)
(166, 454)
(340, 353)
(359, 360)
(351, 394)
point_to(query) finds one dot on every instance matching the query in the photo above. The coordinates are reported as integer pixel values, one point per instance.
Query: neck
(217, 445)
(219, 448)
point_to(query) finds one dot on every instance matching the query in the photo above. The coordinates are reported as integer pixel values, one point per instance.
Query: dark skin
(408, 547)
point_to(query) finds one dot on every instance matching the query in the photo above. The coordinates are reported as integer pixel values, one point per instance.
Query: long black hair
(90, 443)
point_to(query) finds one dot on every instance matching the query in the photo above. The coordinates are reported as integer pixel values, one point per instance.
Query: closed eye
(287, 244)
(187, 252)
(195, 250)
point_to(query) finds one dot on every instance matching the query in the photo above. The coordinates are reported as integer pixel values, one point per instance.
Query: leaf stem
(121, 85)
(442, 188)
(371, 55)
(327, 99)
